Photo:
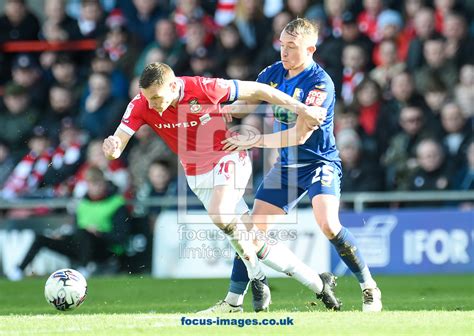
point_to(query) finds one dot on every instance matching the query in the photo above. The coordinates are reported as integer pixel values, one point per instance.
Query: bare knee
(221, 221)
(326, 212)
(227, 223)
(229, 229)
(330, 228)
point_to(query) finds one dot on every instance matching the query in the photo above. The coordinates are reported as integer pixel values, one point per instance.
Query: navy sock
(347, 249)
(239, 278)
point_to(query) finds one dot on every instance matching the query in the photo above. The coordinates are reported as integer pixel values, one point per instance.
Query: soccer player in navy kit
(309, 161)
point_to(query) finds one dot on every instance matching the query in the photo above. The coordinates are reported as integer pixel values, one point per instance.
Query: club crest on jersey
(194, 106)
(273, 85)
(316, 97)
(298, 94)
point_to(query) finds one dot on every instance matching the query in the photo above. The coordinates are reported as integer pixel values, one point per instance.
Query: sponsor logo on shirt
(284, 115)
(316, 97)
(177, 125)
(205, 119)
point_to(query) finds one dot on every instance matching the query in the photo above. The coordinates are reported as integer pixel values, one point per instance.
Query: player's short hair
(304, 27)
(155, 74)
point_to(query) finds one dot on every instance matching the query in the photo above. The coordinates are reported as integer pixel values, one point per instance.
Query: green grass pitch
(413, 305)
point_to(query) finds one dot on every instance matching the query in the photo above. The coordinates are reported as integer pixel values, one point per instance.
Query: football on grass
(65, 289)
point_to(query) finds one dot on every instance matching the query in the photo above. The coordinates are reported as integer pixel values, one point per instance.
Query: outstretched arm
(257, 92)
(253, 93)
(293, 136)
(115, 144)
(239, 109)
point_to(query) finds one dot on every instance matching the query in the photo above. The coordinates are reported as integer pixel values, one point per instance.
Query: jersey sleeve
(132, 118)
(321, 94)
(263, 75)
(220, 90)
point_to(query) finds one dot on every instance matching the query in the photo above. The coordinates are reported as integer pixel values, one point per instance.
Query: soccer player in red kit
(185, 112)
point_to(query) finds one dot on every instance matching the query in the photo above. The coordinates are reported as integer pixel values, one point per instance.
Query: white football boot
(222, 307)
(371, 300)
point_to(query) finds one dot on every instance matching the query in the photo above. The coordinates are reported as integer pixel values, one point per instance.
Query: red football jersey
(194, 129)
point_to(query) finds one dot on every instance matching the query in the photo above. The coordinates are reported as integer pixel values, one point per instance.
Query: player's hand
(315, 116)
(227, 113)
(111, 147)
(239, 142)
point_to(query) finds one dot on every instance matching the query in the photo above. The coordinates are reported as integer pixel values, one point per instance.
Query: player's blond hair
(303, 27)
(155, 74)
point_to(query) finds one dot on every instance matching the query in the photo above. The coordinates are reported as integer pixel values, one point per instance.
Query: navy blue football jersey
(313, 87)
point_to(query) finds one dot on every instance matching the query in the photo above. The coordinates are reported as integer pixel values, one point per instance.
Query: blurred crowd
(403, 70)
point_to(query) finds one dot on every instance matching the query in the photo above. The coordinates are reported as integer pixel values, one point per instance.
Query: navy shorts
(285, 186)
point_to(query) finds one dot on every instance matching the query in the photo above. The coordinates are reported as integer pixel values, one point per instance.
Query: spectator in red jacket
(367, 19)
(389, 27)
(354, 60)
(368, 101)
(66, 159)
(114, 171)
(191, 11)
(29, 172)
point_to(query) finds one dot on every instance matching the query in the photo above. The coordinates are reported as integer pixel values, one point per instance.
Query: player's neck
(296, 71)
(175, 101)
